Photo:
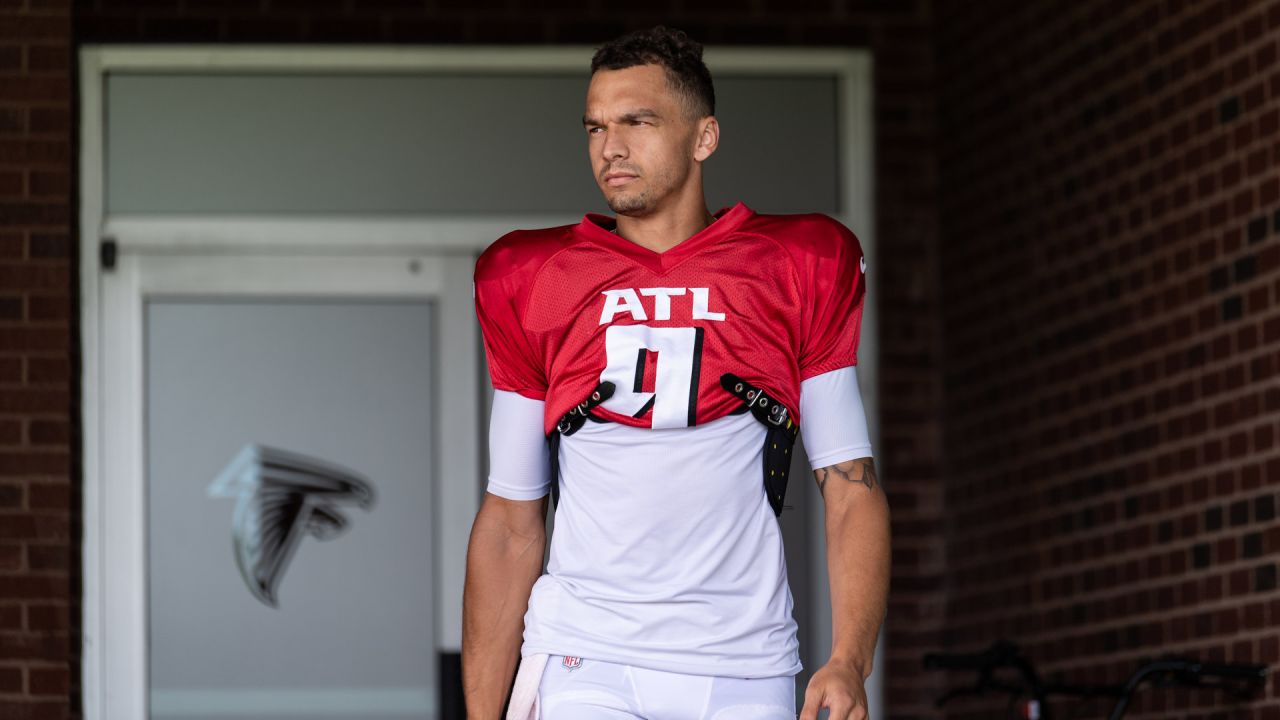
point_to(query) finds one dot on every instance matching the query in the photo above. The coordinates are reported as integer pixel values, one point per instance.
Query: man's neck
(662, 231)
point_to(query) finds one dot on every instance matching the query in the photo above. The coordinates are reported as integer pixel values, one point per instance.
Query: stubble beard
(630, 204)
(642, 202)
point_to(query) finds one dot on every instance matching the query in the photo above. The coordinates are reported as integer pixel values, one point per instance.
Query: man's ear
(708, 138)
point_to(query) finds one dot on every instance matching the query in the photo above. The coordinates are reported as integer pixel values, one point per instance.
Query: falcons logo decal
(280, 497)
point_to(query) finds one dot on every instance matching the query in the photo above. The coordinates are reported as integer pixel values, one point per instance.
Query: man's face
(642, 142)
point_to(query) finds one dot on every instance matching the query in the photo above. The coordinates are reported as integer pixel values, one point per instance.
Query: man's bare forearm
(502, 567)
(858, 558)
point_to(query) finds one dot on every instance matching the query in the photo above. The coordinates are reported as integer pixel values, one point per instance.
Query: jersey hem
(828, 366)
(715, 669)
(531, 393)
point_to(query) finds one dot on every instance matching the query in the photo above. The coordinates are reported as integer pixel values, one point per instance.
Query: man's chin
(628, 204)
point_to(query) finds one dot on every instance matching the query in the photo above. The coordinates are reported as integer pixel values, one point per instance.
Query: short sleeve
(513, 362)
(835, 285)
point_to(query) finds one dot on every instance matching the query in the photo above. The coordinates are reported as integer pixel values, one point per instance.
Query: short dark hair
(675, 51)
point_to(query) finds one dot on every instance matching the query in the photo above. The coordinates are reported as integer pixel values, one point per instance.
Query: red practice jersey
(774, 299)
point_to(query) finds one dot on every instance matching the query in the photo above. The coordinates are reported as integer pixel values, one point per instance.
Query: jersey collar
(599, 229)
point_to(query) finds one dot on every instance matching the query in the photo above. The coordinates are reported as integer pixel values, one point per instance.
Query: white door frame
(121, 525)
(341, 254)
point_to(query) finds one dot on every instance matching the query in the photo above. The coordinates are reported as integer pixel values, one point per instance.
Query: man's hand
(839, 687)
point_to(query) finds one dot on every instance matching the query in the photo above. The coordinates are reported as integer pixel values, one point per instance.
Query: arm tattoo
(861, 470)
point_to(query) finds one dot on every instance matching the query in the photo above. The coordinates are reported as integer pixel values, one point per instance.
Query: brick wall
(39, 502)
(1110, 229)
(39, 414)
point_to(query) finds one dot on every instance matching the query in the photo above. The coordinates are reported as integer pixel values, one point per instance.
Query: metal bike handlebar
(1240, 678)
(1000, 654)
(1193, 673)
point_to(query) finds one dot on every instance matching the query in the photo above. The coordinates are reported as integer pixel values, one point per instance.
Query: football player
(651, 371)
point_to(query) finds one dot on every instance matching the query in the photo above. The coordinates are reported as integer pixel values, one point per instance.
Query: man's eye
(592, 130)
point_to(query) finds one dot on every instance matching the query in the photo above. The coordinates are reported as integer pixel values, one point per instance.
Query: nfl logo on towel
(572, 663)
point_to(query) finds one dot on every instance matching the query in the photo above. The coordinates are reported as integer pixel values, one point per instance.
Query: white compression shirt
(666, 553)
(833, 424)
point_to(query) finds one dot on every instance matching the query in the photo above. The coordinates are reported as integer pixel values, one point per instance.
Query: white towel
(524, 695)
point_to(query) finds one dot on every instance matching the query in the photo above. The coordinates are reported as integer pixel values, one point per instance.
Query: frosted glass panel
(289, 470)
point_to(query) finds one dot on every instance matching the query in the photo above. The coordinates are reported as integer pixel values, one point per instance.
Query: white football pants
(587, 689)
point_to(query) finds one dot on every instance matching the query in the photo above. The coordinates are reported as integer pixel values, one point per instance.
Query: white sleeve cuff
(519, 459)
(833, 424)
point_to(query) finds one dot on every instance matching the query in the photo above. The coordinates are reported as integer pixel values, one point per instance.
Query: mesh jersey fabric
(773, 298)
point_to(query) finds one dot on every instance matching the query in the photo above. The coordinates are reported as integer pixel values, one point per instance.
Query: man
(656, 361)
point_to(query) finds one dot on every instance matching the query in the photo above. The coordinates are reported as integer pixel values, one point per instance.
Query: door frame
(352, 250)
(121, 528)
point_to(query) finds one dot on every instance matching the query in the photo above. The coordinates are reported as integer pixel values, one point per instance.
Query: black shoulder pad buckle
(780, 435)
(766, 409)
(574, 419)
(568, 425)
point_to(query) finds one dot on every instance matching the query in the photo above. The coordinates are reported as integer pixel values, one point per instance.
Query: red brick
(34, 276)
(12, 495)
(11, 245)
(49, 245)
(50, 183)
(49, 618)
(10, 557)
(13, 183)
(48, 370)
(34, 213)
(47, 495)
(33, 151)
(47, 557)
(29, 526)
(33, 587)
(10, 58)
(46, 58)
(49, 432)
(48, 681)
(34, 710)
(47, 308)
(29, 339)
(10, 680)
(49, 120)
(46, 647)
(10, 616)
(33, 27)
(37, 89)
(12, 308)
(34, 463)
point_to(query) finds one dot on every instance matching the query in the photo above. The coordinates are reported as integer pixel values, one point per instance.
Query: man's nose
(613, 146)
